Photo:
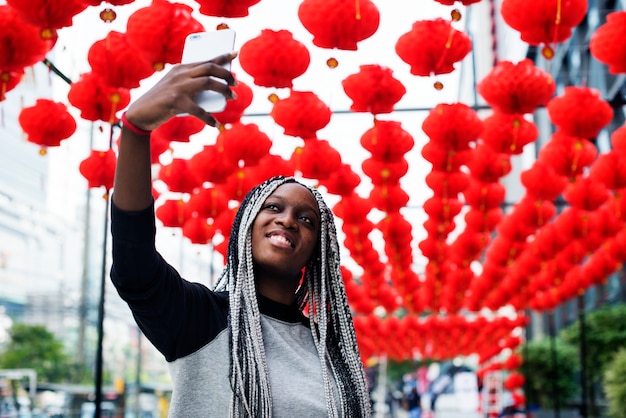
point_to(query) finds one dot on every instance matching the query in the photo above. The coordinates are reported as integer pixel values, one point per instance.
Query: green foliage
(615, 384)
(540, 373)
(34, 347)
(605, 333)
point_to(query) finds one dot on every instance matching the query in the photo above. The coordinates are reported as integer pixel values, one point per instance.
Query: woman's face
(285, 232)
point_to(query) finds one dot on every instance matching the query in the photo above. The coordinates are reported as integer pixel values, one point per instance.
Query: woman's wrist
(133, 128)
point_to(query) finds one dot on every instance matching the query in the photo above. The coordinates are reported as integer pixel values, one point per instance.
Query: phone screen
(205, 46)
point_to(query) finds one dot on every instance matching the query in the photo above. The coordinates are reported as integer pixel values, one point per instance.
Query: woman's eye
(271, 206)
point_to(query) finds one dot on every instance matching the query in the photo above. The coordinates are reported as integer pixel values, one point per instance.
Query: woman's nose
(286, 219)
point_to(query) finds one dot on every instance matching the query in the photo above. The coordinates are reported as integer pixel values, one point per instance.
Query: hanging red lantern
(301, 114)
(342, 182)
(21, 44)
(241, 181)
(508, 133)
(273, 165)
(542, 181)
(489, 166)
(340, 24)
(352, 209)
(433, 47)
(178, 176)
(207, 202)
(569, 155)
(610, 170)
(96, 100)
(159, 31)
(546, 22)
(586, 194)
(198, 230)
(9, 80)
(442, 209)
(47, 123)
(99, 168)
(455, 125)
(178, 128)
(484, 196)
(517, 88)
(274, 58)
(225, 8)
(172, 213)
(618, 139)
(447, 183)
(317, 159)
(48, 15)
(387, 140)
(117, 62)
(384, 172)
(244, 142)
(580, 111)
(444, 159)
(373, 89)
(608, 40)
(210, 164)
(483, 221)
(235, 107)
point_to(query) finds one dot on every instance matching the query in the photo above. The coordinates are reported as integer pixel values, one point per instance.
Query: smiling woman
(275, 337)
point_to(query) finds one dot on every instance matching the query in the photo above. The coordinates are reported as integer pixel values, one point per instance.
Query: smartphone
(204, 46)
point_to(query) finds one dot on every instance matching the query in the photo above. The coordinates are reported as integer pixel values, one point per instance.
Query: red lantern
(489, 166)
(433, 47)
(484, 196)
(317, 159)
(225, 8)
(384, 172)
(447, 183)
(342, 182)
(455, 125)
(580, 111)
(21, 44)
(508, 133)
(301, 114)
(117, 62)
(178, 176)
(244, 142)
(387, 140)
(47, 123)
(9, 80)
(198, 230)
(274, 58)
(96, 100)
(608, 40)
(210, 164)
(339, 24)
(544, 22)
(542, 181)
(444, 159)
(373, 89)
(235, 108)
(159, 31)
(49, 15)
(207, 202)
(586, 194)
(569, 155)
(517, 88)
(172, 213)
(610, 169)
(178, 129)
(99, 168)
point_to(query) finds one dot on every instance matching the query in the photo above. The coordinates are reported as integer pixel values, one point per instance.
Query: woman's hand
(174, 93)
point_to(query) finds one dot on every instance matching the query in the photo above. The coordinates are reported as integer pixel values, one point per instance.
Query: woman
(244, 348)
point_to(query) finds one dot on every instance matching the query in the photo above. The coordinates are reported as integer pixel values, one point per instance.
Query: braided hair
(322, 291)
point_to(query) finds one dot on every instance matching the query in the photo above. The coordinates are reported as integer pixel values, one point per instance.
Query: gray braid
(328, 310)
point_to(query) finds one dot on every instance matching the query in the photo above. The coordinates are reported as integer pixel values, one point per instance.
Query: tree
(615, 384)
(34, 347)
(538, 362)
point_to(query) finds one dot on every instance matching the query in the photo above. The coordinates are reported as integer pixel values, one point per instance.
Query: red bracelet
(133, 128)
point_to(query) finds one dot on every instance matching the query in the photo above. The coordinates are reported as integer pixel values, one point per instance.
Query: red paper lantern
(47, 123)
(226, 8)
(447, 183)
(198, 230)
(340, 24)
(245, 143)
(489, 166)
(384, 172)
(179, 129)
(301, 114)
(21, 44)
(210, 164)
(444, 159)
(373, 89)
(610, 170)
(274, 58)
(569, 155)
(48, 15)
(508, 133)
(96, 100)
(433, 47)
(586, 194)
(172, 213)
(178, 176)
(387, 140)
(455, 125)
(542, 181)
(99, 168)
(207, 202)
(609, 40)
(517, 87)
(342, 182)
(9, 80)
(235, 107)
(580, 111)
(159, 31)
(544, 22)
(117, 62)
(317, 159)
(484, 196)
